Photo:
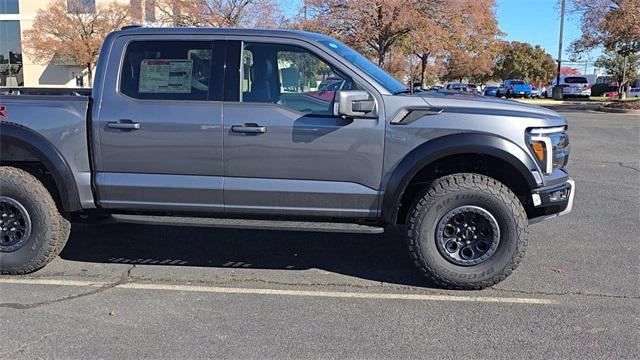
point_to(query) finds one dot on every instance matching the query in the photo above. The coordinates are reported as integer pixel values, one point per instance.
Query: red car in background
(327, 89)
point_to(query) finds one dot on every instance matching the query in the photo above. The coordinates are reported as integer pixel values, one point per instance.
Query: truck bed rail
(45, 91)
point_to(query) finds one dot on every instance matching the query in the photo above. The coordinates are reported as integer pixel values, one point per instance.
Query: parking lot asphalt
(134, 291)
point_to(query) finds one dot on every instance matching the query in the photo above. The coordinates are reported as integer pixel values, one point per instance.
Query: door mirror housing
(354, 104)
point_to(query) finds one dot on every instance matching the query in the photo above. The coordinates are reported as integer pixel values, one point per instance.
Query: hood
(478, 103)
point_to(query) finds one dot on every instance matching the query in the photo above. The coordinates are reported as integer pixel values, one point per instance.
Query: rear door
(159, 129)
(284, 150)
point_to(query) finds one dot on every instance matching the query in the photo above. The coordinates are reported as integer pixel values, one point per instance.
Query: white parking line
(284, 292)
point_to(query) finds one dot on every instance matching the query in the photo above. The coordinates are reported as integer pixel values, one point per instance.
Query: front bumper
(553, 201)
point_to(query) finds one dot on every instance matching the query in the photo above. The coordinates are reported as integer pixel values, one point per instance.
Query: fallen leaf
(112, 313)
(559, 270)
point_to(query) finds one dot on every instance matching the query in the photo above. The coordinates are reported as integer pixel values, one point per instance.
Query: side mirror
(354, 103)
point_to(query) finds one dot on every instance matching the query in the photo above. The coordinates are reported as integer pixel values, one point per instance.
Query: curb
(616, 111)
(567, 107)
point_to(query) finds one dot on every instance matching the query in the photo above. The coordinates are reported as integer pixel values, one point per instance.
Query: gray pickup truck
(278, 130)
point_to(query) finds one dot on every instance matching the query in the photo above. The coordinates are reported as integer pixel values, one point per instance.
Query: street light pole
(557, 90)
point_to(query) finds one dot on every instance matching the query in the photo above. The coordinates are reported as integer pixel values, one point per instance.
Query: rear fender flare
(25, 138)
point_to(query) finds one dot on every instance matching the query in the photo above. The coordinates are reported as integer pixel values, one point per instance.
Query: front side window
(9, 7)
(167, 70)
(365, 65)
(290, 76)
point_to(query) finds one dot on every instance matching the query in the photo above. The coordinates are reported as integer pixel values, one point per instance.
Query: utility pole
(304, 7)
(557, 90)
(622, 94)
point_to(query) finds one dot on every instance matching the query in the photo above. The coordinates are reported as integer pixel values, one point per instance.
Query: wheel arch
(505, 161)
(14, 136)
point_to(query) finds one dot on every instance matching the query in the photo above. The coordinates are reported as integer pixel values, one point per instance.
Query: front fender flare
(25, 138)
(455, 144)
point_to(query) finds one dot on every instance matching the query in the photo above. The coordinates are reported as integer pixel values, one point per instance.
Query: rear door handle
(123, 124)
(249, 129)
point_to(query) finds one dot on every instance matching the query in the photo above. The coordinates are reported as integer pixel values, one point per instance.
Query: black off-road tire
(453, 191)
(49, 229)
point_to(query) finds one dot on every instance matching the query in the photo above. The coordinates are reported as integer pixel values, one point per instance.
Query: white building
(17, 68)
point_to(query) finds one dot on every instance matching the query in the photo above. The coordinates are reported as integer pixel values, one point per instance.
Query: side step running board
(251, 224)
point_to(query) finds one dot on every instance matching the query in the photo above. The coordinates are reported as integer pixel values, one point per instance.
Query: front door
(159, 131)
(285, 153)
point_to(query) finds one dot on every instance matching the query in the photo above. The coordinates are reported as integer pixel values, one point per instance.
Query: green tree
(613, 63)
(523, 61)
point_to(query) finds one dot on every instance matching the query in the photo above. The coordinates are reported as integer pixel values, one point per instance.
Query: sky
(533, 21)
(538, 22)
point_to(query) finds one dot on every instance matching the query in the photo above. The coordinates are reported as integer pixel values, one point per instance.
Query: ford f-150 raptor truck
(514, 88)
(271, 129)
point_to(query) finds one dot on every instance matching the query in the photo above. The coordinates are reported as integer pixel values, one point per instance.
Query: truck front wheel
(32, 231)
(467, 231)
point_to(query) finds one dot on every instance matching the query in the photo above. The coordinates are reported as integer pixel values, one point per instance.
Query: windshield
(517, 82)
(575, 80)
(382, 77)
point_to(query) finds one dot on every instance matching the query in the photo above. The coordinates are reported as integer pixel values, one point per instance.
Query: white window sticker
(165, 76)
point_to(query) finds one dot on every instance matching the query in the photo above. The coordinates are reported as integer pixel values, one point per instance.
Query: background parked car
(613, 93)
(462, 87)
(490, 91)
(327, 88)
(473, 88)
(514, 88)
(535, 92)
(572, 86)
(634, 92)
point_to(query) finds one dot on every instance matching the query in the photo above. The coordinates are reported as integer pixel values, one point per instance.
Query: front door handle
(249, 129)
(123, 124)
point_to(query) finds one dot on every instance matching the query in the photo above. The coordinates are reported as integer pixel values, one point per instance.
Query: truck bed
(62, 120)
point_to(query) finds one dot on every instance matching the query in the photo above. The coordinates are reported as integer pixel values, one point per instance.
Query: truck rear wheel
(467, 231)
(32, 231)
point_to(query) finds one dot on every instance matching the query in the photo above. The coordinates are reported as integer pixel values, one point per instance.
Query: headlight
(550, 147)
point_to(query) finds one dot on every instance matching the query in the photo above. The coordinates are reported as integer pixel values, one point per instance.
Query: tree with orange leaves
(372, 26)
(565, 70)
(219, 13)
(431, 37)
(74, 32)
(475, 46)
(613, 24)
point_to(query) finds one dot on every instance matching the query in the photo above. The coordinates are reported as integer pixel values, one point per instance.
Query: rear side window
(517, 82)
(171, 70)
(576, 80)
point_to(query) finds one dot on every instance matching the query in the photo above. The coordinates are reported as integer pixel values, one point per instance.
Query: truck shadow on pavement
(381, 257)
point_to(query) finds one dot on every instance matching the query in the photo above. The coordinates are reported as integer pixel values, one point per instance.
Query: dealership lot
(125, 291)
